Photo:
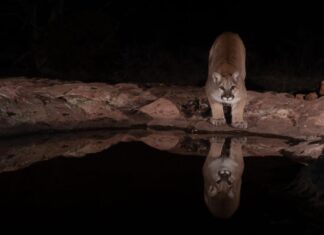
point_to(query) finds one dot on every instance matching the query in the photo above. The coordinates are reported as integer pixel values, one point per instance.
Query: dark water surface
(132, 181)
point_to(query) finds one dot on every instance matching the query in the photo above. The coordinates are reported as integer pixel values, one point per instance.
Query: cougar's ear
(236, 76)
(216, 77)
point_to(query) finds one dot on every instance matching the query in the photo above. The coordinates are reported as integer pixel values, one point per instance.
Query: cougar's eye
(222, 88)
(232, 87)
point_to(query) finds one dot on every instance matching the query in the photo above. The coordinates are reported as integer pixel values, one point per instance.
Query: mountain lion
(226, 79)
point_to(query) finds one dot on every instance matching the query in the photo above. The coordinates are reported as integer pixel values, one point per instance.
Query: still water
(124, 179)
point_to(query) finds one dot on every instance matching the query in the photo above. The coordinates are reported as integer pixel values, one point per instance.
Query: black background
(161, 41)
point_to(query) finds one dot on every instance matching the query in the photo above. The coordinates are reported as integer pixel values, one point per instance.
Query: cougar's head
(227, 86)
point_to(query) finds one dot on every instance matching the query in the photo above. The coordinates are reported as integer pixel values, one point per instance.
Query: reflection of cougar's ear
(216, 77)
(231, 194)
(212, 191)
(236, 76)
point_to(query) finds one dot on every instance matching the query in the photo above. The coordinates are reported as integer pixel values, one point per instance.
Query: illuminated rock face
(30, 105)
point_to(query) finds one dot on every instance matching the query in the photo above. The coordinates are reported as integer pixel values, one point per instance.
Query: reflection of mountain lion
(222, 173)
(226, 79)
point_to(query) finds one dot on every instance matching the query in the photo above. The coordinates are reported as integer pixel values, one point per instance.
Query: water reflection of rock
(20, 152)
(222, 173)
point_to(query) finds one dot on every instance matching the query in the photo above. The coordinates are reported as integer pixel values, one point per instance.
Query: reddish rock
(41, 105)
(161, 109)
(300, 96)
(311, 96)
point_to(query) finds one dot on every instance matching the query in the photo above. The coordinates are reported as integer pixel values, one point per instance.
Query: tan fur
(226, 79)
(221, 198)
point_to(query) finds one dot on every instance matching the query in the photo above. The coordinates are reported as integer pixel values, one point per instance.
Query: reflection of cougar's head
(222, 173)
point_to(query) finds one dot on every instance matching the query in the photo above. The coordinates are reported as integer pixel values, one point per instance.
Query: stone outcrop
(42, 105)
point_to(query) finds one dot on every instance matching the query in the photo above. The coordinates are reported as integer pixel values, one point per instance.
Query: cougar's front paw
(217, 139)
(242, 125)
(217, 121)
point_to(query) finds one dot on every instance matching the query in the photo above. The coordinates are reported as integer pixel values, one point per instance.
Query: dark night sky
(154, 41)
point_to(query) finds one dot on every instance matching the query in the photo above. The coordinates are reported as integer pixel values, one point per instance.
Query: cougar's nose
(227, 97)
